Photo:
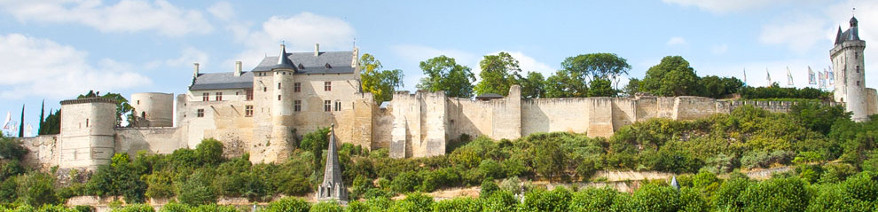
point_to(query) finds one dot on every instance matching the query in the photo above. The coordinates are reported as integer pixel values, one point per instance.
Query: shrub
(175, 207)
(593, 199)
(776, 194)
(327, 206)
(837, 172)
(135, 208)
(488, 188)
(289, 204)
(501, 201)
(542, 200)
(459, 204)
(652, 197)
(209, 152)
(415, 202)
(490, 169)
(405, 182)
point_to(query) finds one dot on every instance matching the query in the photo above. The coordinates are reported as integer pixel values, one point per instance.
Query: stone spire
(674, 183)
(332, 188)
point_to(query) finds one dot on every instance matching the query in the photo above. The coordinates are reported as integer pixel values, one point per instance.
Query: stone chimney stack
(195, 73)
(238, 68)
(316, 49)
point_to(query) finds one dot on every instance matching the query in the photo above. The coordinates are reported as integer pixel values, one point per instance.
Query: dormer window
(301, 66)
(327, 65)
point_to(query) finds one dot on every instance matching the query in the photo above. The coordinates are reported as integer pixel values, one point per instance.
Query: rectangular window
(249, 94)
(278, 97)
(327, 105)
(337, 106)
(219, 96)
(297, 105)
(327, 86)
(278, 85)
(248, 111)
(205, 97)
(86, 122)
(297, 87)
(199, 113)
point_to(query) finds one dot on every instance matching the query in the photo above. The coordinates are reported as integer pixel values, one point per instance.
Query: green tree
(587, 67)
(499, 72)
(672, 77)
(601, 87)
(36, 189)
(719, 87)
(10, 148)
(209, 152)
(291, 204)
(381, 83)
(633, 87)
(52, 124)
(444, 74)
(533, 86)
(564, 84)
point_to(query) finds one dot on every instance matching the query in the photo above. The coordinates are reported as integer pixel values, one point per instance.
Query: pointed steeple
(838, 36)
(674, 183)
(332, 187)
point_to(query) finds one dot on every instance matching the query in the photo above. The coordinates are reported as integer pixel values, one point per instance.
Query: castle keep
(265, 111)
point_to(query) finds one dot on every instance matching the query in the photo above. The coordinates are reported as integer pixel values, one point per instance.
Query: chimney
(316, 49)
(195, 74)
(238, 68)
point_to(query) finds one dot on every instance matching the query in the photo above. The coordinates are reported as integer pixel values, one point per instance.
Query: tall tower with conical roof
(332, 187)
(850, 75)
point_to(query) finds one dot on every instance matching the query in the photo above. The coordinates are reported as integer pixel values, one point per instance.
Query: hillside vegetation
(835, 164)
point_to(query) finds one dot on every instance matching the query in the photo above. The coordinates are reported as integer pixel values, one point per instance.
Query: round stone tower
(850, 75)
(87, 132)
(153, 109)
(281, 108)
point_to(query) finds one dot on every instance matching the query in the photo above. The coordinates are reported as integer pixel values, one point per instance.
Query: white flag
(812, 79)
(789, 77)
(768, 77)
(8, 119)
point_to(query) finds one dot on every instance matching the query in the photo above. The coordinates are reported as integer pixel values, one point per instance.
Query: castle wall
(554, 115)
(382, 126)
(691, 107)
(871, 101)
(156, 140)
(600, 117)
(42, 151)
(624, 112)
(158, 109)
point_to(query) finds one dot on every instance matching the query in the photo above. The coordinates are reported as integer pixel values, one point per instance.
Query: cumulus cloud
(222, 10)
(674, 41)
(123, 16)
(529, 64)
(41, 67)
(299, 33)
(187, 56)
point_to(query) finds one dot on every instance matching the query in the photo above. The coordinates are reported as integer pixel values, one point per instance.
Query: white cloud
(41, 67)
(187, 56)
(674, 41)
(299, 33)
(724, 6)
(799, 31)
(222, 10)
(124, 16)
(719, 49)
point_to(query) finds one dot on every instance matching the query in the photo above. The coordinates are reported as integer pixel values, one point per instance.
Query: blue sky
(57, 49)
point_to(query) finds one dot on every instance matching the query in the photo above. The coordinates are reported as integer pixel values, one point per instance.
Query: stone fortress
(264, 111)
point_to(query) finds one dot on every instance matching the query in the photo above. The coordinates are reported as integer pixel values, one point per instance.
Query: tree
(633, 87)
(499, 72)
(533, 86)
(381, 83)
(596, 66)
(444, 74)
(672, 77)
(564, 84)
(52, 124)
(719, 87)
(122, 106)
(601, 87)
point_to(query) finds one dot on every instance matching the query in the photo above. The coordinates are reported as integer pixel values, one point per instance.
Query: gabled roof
(221, 81)
(339, 62)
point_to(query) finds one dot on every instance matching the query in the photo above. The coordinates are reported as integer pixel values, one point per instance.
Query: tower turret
(87, 132)
(850, 75)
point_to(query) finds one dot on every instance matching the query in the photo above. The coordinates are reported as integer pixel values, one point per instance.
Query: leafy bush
(593, 199)
(291, 204)
(414, 202)
(406, 182)
(458, 204)
(542, 200)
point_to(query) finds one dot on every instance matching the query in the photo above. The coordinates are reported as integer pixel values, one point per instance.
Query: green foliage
(719, 87)
(289, 204)
(837, 172)
(444, 74)
(175, 207)
(51, 125)
(488, 188)
(499, 72)
(652, 197)
(135, 208)
(601, 87)
(209, 152)
(596, 66)
(414, 202)
(327, 206)
(316, 142)
(671, 77)
(533, 86)
(406, 182)
(542, 200)
(120, 177)
(10, 148)
(726, 197)
(776, 92)
(459, 204)
(36, 189)
(500, 201)
(381, 83)
(565, 84)
(196, 189)
(593, 199)
(776, 194)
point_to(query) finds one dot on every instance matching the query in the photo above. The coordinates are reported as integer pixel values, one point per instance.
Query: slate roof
(339, 62)
(220, 81)
(851, 34)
